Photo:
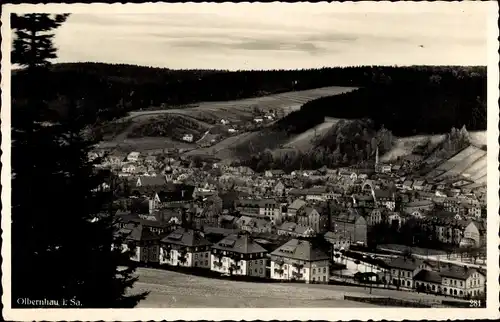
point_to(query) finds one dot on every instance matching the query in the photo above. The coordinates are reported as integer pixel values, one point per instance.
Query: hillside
(429, 102)
(109, 91)
(469, 163)
(206, 117)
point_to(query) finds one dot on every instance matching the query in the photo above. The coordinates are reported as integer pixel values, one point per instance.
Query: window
(255, 270)
(261, 262)
(260, 270)
(324, 269)
(195, 264)
(206, 255)
(433, 287)
(206, 262)
(314, 270)
(314, 279)
(461, 283)
(195, 256)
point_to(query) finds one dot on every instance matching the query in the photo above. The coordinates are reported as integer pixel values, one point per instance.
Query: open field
(304, 140)
(469, 163)
(173, 289)
(405, 145)
(237, 111)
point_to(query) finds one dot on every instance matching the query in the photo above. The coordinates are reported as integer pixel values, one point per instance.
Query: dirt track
(172, 289)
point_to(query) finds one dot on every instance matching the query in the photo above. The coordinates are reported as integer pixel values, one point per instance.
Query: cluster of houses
(297, 259)
(242, 208)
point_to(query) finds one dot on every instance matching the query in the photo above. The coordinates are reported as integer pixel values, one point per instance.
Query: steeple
(376, 158)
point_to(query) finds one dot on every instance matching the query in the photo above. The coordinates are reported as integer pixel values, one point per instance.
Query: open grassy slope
(211, 113)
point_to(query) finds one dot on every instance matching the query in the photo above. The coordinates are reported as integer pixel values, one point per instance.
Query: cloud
(256, 36)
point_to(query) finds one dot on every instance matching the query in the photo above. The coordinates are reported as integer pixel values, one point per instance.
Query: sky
(278, 36)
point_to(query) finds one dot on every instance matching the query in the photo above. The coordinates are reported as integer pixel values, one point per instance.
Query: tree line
(111, 90)
(426, 100)
(348, 142)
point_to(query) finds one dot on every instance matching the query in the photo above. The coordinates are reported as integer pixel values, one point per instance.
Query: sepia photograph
(250, 161)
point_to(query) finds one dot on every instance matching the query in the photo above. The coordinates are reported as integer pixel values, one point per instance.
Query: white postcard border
(245, 313)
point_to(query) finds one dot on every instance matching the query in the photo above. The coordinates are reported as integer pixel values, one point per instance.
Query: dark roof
(138, 221)
(176, 192)
(297, 204)
(139, 233)
(229, 198)
(293, 227)
(152, 181)
(301, 250)
(349, 216)
(186, 237)
(379, 193)
(316, 190)
(240, 244)
(402, 263)
(278, 171)
(219, 231)
(456, 272)
(428, 276)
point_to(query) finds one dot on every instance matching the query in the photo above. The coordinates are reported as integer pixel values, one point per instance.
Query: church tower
(376, 159)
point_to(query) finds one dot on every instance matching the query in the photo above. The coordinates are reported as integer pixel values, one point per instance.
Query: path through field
(235, 111)
(172, 289)
(303, 141)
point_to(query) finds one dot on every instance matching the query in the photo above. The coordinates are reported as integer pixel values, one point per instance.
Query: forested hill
(425, 101)
(109, 91)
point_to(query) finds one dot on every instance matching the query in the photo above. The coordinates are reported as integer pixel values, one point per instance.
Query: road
(172, 289)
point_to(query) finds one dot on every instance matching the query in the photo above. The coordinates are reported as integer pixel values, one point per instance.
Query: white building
(299, 260)
(133, 156)
(185, 247)
(188, 138)
(238, 255)
(129, 168)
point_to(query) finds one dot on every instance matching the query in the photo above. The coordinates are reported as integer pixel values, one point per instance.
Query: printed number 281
(474, 303)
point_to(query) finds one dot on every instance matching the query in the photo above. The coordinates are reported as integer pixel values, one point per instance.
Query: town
(383, 225)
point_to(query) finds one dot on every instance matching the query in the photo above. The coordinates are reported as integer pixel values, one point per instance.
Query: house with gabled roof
(295, 230)
(400, 271)
(294, 207)
(300, 260)
(338, 240)
(309, 216)
(475, 231)
(141, 242)
(352, 225)
(384, 197)
(317, 193)
(150, 181)
(428, 281)
(462, 281)
(239, 254)
(419, 184)
(185, 247)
